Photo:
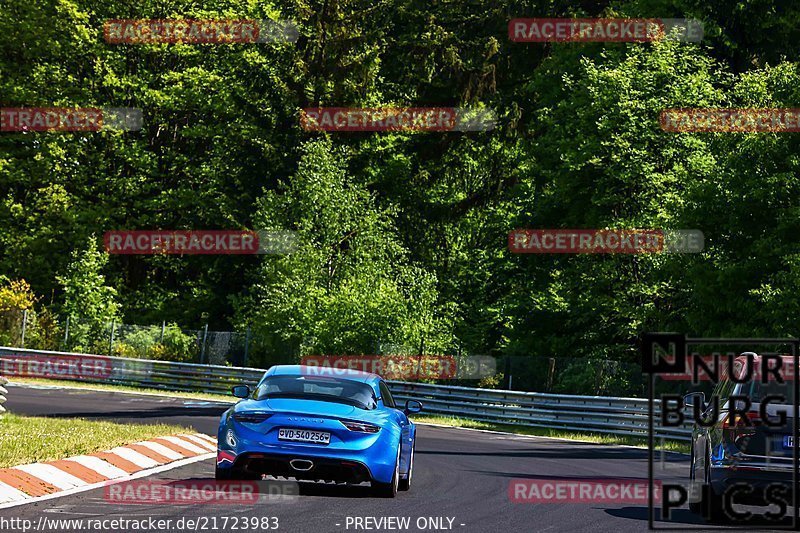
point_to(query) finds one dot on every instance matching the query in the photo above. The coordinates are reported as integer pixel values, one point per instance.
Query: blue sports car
(315, 423)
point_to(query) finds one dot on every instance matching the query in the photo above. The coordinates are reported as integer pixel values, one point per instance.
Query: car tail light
(361, 427)
(251, 418)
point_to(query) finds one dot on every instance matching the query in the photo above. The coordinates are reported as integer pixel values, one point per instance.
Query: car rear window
(318, 388)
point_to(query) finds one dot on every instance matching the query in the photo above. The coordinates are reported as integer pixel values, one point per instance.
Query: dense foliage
(404, 235)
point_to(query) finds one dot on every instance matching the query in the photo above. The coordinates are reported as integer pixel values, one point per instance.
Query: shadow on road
(528, 475)
(335, 491)
(682, 517)
(597, 452)
(277, 487)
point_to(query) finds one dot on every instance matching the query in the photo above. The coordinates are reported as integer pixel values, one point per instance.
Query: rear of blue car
(315, 428)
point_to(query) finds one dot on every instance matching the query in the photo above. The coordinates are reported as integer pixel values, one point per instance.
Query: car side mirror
(413, 406)
(241, 391)
(694, 397)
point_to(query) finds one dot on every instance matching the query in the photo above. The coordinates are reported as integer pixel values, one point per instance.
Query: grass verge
(598, 438)
(31, 439)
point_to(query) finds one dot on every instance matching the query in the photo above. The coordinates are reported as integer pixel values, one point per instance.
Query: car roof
(787, 364)
(343, 373)
(757, 358)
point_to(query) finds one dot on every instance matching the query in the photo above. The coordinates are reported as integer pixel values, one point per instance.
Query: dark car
(744, 459)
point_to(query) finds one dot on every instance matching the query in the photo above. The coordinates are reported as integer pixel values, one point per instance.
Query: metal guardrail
(143, 373)
(597, 414)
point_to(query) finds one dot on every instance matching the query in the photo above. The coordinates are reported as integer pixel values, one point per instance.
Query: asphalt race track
(461, 475)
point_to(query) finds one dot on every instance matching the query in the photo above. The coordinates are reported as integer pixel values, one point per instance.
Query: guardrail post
(551, 371)
(203, 345)
(246, 346)
(111, 344)
(599, 378)
(66, 333)
(3, 393)
(24, 326)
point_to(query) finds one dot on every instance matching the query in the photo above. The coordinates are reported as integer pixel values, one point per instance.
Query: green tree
(88, 301)
(349, 286)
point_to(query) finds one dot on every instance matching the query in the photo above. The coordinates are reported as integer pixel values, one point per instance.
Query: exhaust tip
(302, 465)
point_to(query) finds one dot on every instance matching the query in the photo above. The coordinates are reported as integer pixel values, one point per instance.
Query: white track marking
(199, 441)
(161, 449)
(143, 473)
(185, 443)
(134, 457)
(53, 475)
(10, 494)
(212, 440)
(98, 465)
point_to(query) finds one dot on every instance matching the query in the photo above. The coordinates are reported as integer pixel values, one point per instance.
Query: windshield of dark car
(328, 389)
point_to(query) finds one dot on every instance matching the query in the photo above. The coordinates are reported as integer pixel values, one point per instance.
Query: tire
(389, 490)
(405, 484)
(713, 503)
(710, 505)
(695, 507)
(223, 474)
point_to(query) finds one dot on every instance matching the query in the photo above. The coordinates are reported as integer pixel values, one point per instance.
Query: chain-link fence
(571, 375)
(166, 342)
(169, 342)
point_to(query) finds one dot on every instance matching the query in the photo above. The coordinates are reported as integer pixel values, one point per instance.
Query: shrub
(147, 343)
(43, 331)
(16, 297)
(122, 349)
(177, 346)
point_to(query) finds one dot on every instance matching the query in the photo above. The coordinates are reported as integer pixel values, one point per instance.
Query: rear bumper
(753, 485)
(304, 467)
(375, 462)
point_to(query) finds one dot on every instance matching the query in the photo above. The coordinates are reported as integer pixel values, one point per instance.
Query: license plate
(304, 435)
(788, 441)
